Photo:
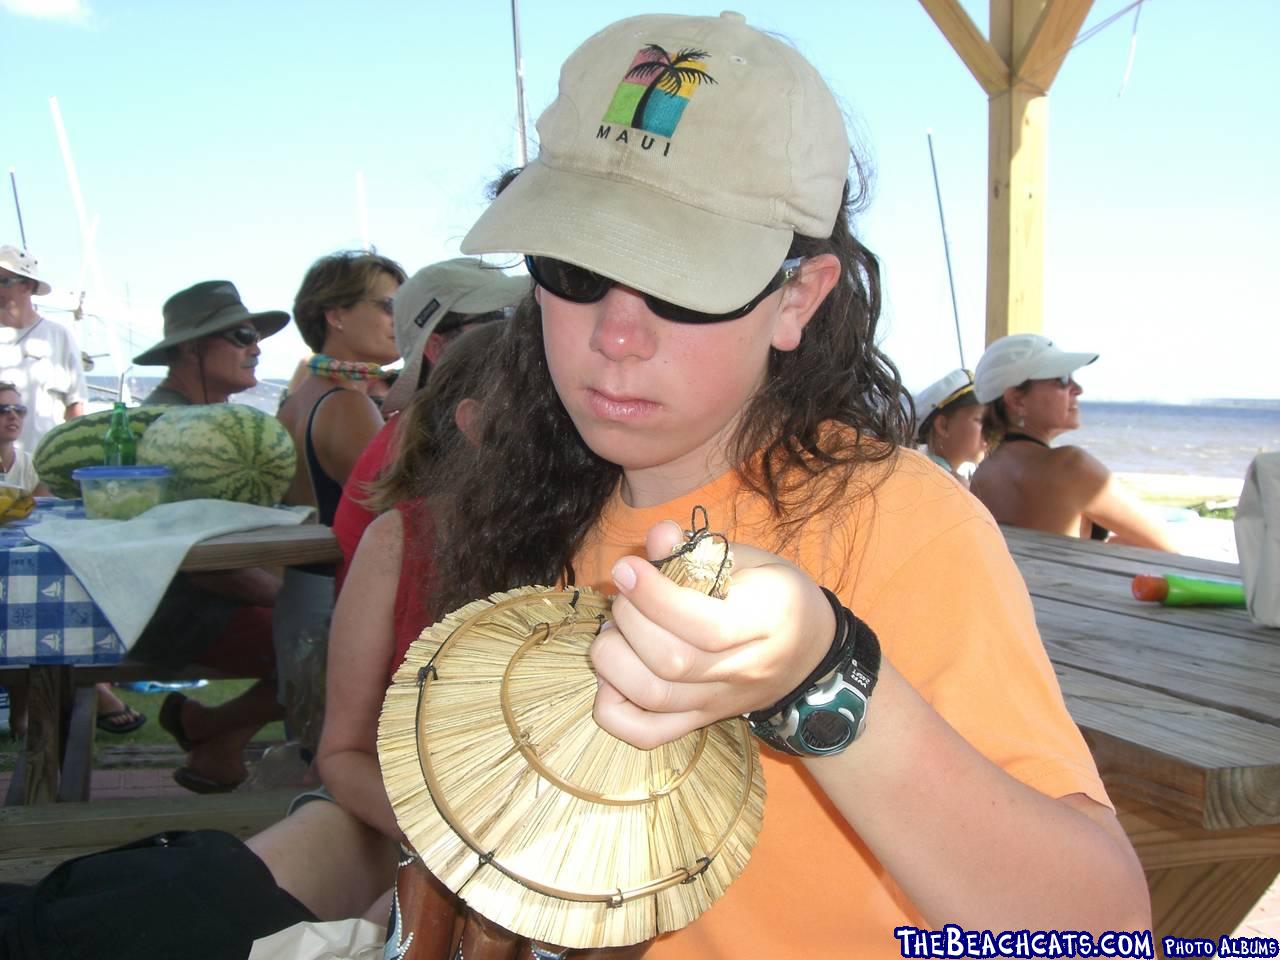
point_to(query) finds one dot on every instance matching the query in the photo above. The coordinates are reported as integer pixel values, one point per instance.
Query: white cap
(1020, 357)
(954, 386)
(24, 265)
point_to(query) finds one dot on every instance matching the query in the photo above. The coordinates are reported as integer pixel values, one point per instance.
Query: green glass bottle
(119, 448)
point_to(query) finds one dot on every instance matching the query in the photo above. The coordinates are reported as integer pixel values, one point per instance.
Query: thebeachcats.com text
(954, 942)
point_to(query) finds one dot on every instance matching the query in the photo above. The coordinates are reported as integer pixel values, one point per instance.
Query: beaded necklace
(325, 366)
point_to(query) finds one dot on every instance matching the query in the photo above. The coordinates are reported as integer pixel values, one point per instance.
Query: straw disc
(518, 802)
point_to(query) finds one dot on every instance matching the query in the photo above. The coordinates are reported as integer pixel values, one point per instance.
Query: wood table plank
(266, 547)
(1110, 556)
(1213, 768)
(1203, 668)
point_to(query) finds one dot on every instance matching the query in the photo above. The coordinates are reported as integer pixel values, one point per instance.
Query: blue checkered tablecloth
(45, 614)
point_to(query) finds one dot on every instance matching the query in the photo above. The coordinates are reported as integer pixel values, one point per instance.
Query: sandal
(171, 720)
(199, 783)
(135, 720)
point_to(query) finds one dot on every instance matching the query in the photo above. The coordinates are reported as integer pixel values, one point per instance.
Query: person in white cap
(1029, 386)
(432, 309)
(40, 356)
(949, 419)
(702, 334)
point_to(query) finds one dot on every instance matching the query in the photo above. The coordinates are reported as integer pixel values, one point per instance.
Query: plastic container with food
(120, 493)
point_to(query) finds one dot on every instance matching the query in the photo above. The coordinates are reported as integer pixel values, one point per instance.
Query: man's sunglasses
(580, 285)
(11, 281)
(242, 336)
(7, 408)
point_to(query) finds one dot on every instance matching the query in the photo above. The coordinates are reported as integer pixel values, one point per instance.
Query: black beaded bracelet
(839, 640)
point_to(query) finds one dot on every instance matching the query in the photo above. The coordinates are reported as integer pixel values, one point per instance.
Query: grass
(151, 733)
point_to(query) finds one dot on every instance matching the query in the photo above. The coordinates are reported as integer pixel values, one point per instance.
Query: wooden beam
(987, 66)
(1051, 39)
(1017, 123)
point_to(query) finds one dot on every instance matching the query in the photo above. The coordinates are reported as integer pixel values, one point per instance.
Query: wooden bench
(38, 838)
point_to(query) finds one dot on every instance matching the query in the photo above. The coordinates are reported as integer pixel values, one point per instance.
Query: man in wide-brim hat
(210, 344)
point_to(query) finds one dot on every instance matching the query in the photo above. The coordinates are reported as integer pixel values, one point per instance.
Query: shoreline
(1181, 490)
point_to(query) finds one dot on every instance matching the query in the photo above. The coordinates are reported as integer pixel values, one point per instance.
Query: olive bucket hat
(203, 309)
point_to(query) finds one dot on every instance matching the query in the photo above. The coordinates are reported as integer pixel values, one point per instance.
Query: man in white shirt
(38, 355)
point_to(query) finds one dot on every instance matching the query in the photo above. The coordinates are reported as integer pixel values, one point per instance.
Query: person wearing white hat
(40, 356)
(949, 419)
(1029, 386)
(432, 309)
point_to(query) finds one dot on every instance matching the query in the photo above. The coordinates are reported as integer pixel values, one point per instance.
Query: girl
(702, 332)
(951, 426)
(1033, 398)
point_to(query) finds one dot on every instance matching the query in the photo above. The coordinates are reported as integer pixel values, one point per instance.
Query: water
(1217, 439)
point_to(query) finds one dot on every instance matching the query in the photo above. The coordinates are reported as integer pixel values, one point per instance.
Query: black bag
(189, 894)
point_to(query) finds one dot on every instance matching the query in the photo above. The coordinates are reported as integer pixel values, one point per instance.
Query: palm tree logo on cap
(654, 91)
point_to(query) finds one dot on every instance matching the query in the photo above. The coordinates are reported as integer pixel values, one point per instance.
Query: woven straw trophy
(534, 816)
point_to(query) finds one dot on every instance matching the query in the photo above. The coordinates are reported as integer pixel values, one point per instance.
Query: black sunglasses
(580, 285)
(7, 408)
(242, 336)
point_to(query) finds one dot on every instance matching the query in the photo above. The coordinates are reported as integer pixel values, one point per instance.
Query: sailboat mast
(946, 248)
(519, 63)
(13, 182)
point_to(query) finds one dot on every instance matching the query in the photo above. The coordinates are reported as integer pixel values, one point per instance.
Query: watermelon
(226, 451)
(78, 443)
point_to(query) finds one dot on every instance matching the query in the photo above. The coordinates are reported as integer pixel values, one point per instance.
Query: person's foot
(114, 715)
(216, 763)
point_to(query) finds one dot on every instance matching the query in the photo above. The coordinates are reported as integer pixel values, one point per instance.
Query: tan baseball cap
(464, 286)
(680, 157)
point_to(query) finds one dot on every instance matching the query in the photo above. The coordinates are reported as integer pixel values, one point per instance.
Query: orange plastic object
(1150, 588)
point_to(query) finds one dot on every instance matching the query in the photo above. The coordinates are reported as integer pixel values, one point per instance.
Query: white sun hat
(24, 265)
(1020, 357)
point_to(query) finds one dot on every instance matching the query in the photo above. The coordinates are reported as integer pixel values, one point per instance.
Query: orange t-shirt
(923, 563)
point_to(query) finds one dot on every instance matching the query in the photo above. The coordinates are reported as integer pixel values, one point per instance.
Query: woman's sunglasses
(7, 408)
(580, 285)
(242, 336)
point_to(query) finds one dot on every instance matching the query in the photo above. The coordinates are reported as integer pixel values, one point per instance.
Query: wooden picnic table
(57, 757)
(1181, 708)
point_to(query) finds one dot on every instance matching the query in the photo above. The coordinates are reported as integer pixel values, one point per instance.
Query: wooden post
(1017, 127)
(1015, 68)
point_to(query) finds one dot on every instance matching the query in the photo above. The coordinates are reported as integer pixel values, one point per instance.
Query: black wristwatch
(828, 711)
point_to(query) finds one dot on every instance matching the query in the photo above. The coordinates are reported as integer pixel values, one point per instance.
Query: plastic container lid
(121, 473)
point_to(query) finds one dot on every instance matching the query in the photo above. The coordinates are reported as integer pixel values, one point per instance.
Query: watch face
(826, 730)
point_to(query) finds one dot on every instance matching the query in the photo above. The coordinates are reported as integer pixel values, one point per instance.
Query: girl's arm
(1104, 501)
(361, 644)
(967, 842)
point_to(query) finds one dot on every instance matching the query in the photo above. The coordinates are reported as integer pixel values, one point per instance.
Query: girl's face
(365, 330)
(1051, 408)
(958, 436)
(658, 398)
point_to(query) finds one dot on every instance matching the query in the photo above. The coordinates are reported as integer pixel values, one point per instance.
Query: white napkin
(126, 565)
(1258, 538)
(332, 940)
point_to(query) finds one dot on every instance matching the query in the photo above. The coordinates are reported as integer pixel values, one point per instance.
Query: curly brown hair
(338, 280)
(512, 518)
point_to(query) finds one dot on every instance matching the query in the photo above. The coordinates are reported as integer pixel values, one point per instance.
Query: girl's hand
(673, 660)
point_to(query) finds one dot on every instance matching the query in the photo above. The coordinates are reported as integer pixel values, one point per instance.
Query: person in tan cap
(432, 309)
(702, 333)
(1030, 387)
(210, 345)
(38, 355)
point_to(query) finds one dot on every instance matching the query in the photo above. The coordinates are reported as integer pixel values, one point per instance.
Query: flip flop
(171, 720)
(106, 726)
(199, 783)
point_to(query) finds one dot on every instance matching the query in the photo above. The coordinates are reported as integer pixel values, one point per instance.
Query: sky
(226, 140)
